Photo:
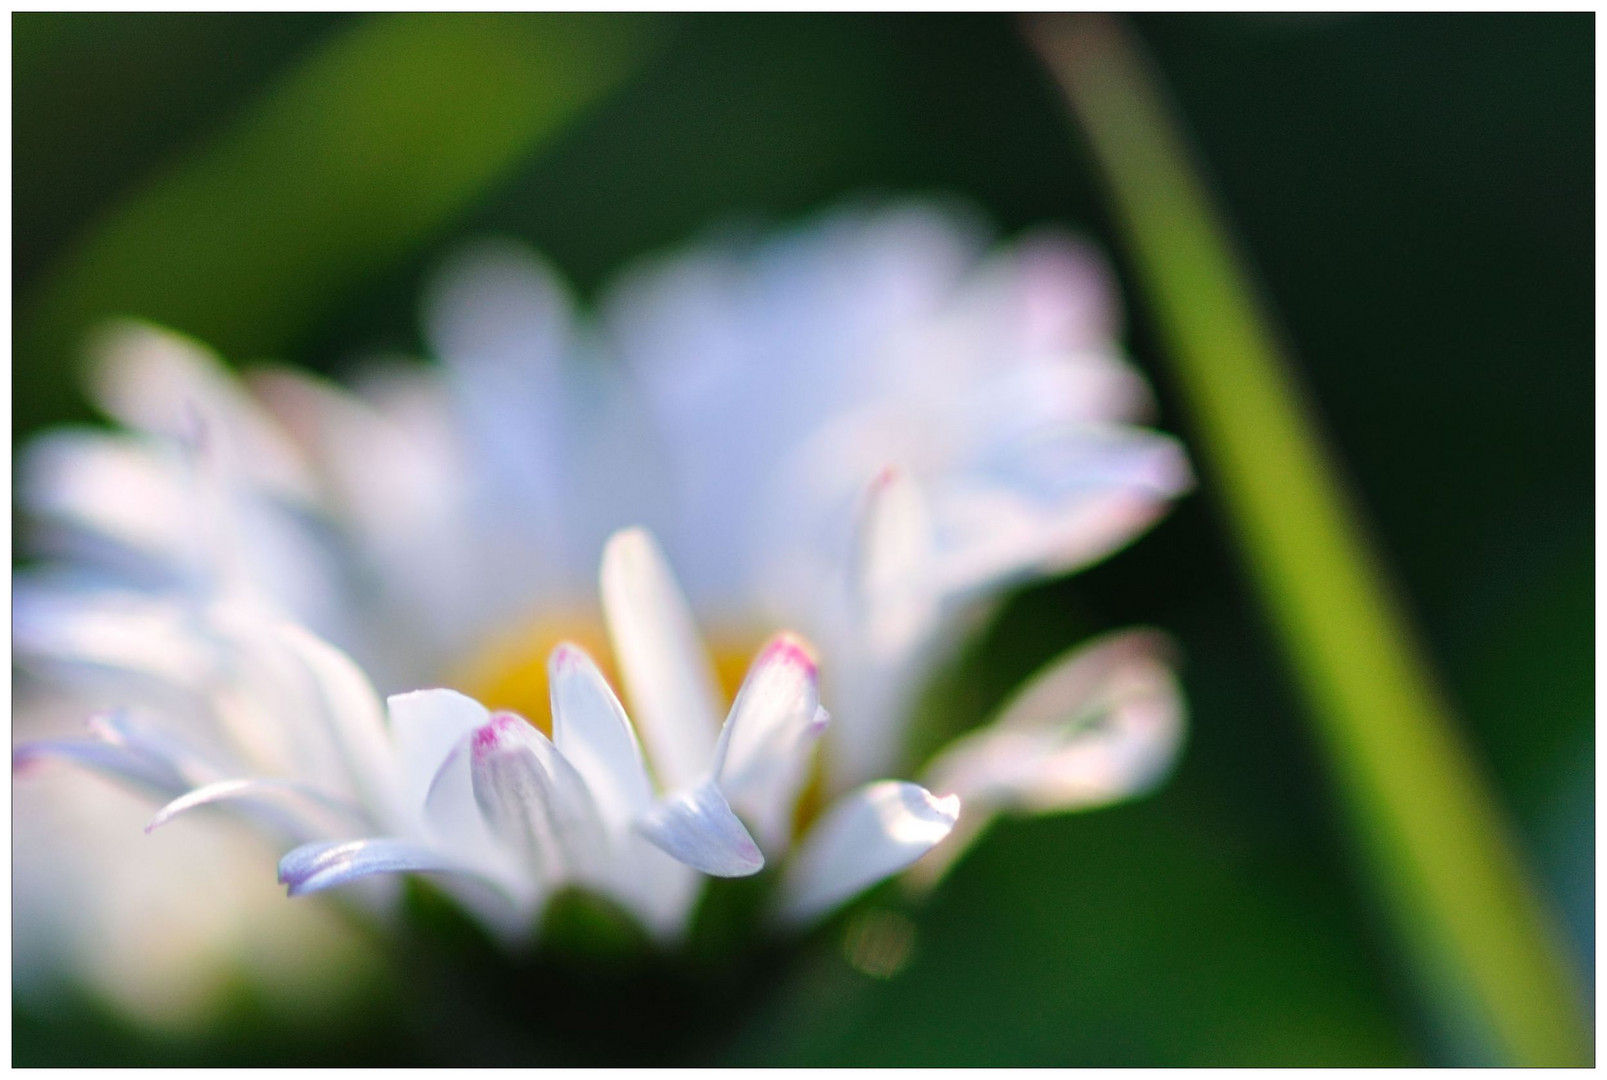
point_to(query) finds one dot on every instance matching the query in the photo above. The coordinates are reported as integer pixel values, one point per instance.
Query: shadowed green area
(1442, 852)
(364, 149)
(1419, 190)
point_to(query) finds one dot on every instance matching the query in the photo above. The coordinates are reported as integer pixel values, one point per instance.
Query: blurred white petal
(1104, 722)
(302, 800)
(160, 382)
(667, 672)
(863, 838)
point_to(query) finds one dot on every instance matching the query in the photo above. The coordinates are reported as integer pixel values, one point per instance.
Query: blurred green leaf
(361, 152)
(1443, 854)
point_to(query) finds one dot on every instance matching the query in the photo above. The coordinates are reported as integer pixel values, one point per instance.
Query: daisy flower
(866, 429)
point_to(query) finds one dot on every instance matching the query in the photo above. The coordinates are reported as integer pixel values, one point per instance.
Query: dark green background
(1416, 195)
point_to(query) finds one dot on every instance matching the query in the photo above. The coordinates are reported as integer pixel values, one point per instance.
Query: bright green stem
(1441, 852)
(362, 152)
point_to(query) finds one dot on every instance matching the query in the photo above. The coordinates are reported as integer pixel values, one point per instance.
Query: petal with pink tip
(535, 802)
(762, 758)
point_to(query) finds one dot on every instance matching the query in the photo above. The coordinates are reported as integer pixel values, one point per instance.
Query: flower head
(865, 430)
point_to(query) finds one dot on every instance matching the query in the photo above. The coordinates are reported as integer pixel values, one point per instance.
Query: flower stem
(1442, 854)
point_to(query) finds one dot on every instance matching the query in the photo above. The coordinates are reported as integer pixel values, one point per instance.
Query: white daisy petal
(301, 799)
(153, 773)
(123, 632)
(535, 802)
(323, 865)
(698, 828)
(349, 705)
(1102, 722)
(425, 726)
(866, 836)
(161, 382)
(127, 748)
(762, 759)
(590, 729)
(894, 566)
(1057, 502)
(107, 497)
(668, 675)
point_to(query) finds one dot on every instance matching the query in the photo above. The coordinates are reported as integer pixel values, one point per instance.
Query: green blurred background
(1415, 193)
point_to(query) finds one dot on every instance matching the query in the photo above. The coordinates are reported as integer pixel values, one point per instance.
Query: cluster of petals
(866, 429)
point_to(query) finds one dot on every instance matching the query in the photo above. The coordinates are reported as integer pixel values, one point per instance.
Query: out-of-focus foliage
(1416, 194)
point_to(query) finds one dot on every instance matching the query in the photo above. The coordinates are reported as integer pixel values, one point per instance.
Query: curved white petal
(1100, 723)
(535, 802)
(122, 631)
(591, 730)
(668, 675)
(866, 836)
(325, 864)
(128, 749)
(762, 758)
(425, 727)
(300, 798)
(698, 828)
(349, 705)
(153, 773)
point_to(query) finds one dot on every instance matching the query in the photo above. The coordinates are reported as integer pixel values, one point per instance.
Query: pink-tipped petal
(762, 759)
(425, 726)
(535, 802)
(865, 837)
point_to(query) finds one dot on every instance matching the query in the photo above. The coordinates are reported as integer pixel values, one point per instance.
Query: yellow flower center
(509, 672)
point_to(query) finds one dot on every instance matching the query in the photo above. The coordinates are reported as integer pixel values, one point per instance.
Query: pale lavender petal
(323, 865)
(668, 674)
(1052, 503)
(698, 828)
(105, 494)
(120, 762)
(125, 748)
(864, 837)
